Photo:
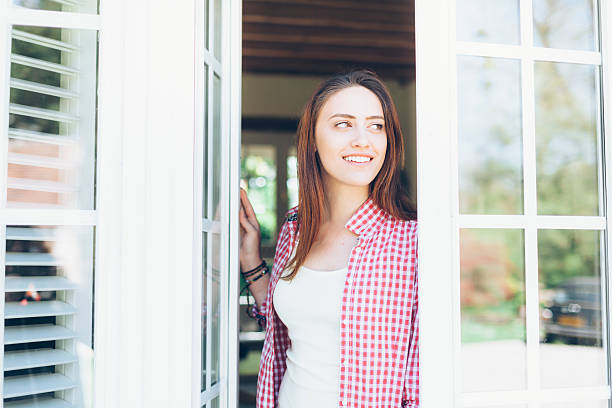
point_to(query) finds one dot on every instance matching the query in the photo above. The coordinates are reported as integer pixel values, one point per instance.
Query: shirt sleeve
(411, 381)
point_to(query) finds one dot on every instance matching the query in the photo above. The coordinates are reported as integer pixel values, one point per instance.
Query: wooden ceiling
(328, 36)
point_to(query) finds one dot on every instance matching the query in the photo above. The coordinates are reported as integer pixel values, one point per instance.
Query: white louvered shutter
(48, 212)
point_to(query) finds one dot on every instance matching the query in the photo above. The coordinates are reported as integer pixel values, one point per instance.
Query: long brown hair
(388, 189)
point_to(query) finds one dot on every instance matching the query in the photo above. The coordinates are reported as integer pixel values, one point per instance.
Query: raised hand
(250, 237)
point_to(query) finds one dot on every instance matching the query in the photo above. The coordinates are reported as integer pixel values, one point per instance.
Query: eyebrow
(346, 115)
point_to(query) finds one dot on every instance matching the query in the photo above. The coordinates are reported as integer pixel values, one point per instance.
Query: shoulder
(291, 215)
(406, 226)
(289, 225)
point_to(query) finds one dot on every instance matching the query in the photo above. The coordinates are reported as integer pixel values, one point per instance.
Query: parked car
(574, 315)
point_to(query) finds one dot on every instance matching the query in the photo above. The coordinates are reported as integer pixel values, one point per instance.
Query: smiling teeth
(358, 159)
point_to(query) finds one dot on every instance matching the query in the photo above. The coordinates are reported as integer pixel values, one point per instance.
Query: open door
(514, 202)
(217, 149)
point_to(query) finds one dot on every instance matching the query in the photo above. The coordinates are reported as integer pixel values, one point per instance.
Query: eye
(343, 124)
(378, 126)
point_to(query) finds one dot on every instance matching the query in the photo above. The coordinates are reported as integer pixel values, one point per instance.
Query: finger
(248, 207)
(244, 222)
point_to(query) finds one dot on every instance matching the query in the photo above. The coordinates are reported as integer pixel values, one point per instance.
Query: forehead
(356, 100)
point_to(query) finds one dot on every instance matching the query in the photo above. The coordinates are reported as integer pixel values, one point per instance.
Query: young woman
(340, 307)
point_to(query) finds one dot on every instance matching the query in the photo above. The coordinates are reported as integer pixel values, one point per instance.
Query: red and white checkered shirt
(379, 338)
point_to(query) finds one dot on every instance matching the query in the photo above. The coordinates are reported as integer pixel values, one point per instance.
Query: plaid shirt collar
(367, 219)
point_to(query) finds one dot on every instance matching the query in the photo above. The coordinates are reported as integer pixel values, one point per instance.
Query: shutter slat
(39, 161)
(14, 310)
(41, 113)
(21, 385)
(39, 403)
(30, 259)
(40, 185)
(30, 234)
(22, 359)
(42, 88)
(35, 333)
(40, 137)
(37, 283)
(47, 42)
(41, 64)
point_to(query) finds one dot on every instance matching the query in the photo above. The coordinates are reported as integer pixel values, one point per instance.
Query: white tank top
(310, 307)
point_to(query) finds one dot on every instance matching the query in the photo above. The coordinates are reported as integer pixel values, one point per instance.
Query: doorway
(288, 48)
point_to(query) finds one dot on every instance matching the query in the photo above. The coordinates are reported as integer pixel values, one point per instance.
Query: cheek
(326, 145)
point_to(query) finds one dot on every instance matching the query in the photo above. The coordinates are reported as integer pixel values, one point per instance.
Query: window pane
(215, 307)
(52, 132)
(292, 180)
(564, 24)
(204, 308)
(488, 21)
(206, 36)
(217, 29)
(493, 348)
(489, 133)
(216, 150)
(48, 314)
(86, 6)
(566, 137)
(572, 353)
(258, 170)
(205, 149)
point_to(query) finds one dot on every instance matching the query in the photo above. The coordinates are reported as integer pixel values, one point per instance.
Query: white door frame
(436, 49)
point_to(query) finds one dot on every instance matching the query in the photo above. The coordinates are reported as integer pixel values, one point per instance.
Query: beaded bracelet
(255, 269)
(249, 281)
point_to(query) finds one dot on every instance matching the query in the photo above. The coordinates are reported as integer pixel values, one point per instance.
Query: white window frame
(439, 218)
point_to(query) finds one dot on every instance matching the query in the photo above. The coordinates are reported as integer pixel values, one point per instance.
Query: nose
(360, 137)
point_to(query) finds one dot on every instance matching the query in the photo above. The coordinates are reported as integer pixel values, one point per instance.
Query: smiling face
(350, 137)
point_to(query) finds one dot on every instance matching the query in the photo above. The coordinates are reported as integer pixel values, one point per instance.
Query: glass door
(216, 173)
(526, 211)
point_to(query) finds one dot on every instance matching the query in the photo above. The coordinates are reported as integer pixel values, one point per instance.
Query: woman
(340, 307)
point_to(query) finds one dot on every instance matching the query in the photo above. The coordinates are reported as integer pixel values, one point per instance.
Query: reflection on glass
(204, 308)
(214, 403)
(88, 6)
(564, 24)
(566, 139)
(217, 29)
(48, 314)
(258, 171)
(572, 353)
(493, 348)
(489, 133)
(216, 150)
(215, 307)
(205, 148)
(488, 21)
(575, 404)
(51, 135)
(292, 179)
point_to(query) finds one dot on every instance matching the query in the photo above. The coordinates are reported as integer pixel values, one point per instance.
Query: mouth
(358, 160)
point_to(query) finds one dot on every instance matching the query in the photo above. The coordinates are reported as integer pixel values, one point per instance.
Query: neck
(341, 202)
